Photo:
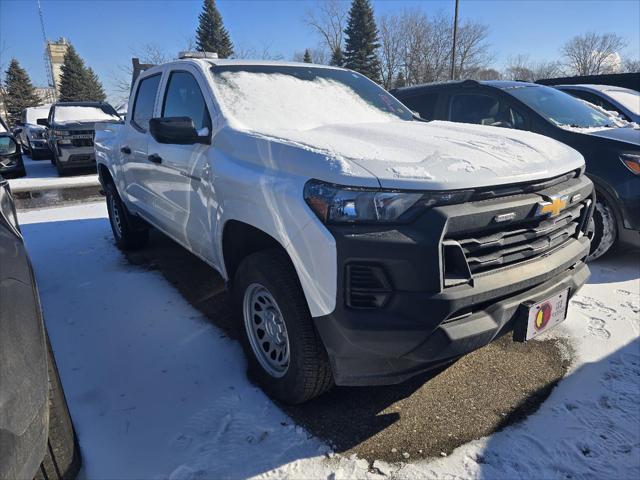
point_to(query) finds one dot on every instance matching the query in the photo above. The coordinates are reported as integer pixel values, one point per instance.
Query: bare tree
(263, 52)
(472, 49)
(631, 65)
(318, 55)
(392, 40)
(121, 78)
(328, 18)
(591, 53)
(419, 47)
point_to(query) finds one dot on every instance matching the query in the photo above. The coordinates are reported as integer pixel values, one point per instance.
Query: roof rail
(193, 54)
(138, 68)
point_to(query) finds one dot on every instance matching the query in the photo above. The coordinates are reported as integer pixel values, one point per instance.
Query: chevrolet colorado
(361, 244)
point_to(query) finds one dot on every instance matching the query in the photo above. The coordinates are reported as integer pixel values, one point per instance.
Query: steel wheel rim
(266, 330)
(115, 216)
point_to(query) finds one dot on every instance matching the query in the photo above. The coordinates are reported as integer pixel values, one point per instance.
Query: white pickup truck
(361, 244)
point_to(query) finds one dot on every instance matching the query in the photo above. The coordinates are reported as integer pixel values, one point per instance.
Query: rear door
(137, 168)
(182, 173)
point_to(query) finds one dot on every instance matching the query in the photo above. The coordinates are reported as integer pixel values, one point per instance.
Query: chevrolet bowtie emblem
(552, 207)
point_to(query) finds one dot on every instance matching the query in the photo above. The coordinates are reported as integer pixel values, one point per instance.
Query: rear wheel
(286, 355)
(129, 232)
(602, 230)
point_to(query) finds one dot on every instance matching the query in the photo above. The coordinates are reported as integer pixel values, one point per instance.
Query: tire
(602, 229)
(308, 372)
(61, 171)
(62, 457)
(129, 232)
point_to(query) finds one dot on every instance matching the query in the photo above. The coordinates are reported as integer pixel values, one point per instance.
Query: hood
(437, 155)
(628, 135)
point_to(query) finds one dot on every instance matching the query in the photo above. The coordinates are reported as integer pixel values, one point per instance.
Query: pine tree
(399, 81)
(211, 36)
(19, 92)
(307, 57)
(337, 60)
(77, 82)
(94, 91)
(362, 41)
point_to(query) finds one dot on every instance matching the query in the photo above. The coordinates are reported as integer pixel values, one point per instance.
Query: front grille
(82, 142)
(499, 246)
(367, 286)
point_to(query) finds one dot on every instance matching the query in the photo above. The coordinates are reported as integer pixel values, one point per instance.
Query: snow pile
(268, 103)
(66, 114)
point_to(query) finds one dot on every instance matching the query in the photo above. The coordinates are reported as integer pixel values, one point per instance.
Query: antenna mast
(47, 56)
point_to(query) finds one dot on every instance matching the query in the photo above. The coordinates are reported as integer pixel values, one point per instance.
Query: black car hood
(628, 135)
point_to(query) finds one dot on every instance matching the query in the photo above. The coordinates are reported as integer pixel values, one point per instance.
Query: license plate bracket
(537, 317)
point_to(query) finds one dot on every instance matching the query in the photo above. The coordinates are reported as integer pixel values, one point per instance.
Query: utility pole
(47, 55)
(453, 49)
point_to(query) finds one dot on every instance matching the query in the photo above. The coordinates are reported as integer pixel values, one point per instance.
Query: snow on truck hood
(435, 155)
(361, 128)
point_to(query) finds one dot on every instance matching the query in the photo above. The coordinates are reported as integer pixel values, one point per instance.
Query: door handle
(126, 150)
(155, 158)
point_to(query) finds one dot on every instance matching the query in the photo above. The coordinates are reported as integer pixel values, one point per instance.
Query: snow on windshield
(34, 113)
(272, 102)
(81, 114)
(629, 99)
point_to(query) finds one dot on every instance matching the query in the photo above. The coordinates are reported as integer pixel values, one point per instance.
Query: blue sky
(105, 32)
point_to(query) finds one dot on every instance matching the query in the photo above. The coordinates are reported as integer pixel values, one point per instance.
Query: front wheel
(602, 229)
(129, 232)
(286, 355)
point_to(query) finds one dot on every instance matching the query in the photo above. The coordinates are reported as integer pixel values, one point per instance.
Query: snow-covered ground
(156, 391)
(42, 175)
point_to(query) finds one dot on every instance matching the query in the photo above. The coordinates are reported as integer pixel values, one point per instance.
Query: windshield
(81, 113)
(33, 114)
(267, 98)
(561, 108)
(627, 98)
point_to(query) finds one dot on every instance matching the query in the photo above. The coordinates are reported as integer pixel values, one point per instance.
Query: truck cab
(361, 245)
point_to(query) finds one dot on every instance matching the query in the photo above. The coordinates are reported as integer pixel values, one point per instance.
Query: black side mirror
(176, 130)
(43, 121)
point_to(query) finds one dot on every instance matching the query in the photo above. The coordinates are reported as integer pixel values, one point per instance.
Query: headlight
(61, 133)
(37, 134)
(631, 161)
(339, 204)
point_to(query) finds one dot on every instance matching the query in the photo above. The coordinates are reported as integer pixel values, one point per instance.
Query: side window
(424, 104)
(513, 118)
(184, 98)
(145, 100)
(474, 108)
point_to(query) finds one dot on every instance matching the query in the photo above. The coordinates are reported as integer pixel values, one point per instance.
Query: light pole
(453, 49)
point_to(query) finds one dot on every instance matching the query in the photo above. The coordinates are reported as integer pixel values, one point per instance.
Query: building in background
(56, 51)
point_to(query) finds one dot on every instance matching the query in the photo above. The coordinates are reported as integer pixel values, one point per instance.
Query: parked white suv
(33, 137)
(361, 244)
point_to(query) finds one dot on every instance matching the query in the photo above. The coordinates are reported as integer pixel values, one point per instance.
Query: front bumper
(393, 348)
(76, 157)
(413, 318)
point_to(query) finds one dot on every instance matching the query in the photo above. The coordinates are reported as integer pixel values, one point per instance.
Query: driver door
(182, 172)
